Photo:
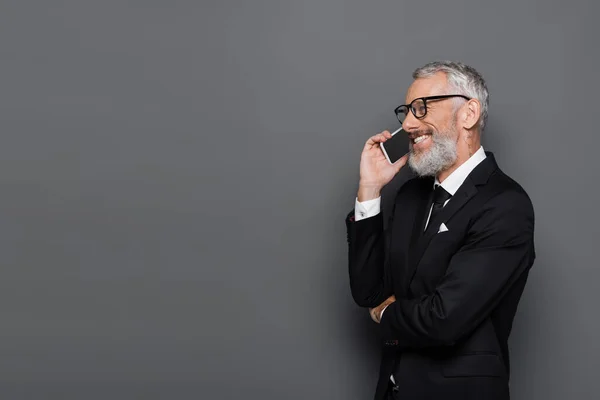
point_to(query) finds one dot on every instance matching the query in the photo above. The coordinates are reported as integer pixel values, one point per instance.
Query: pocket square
(443, 228)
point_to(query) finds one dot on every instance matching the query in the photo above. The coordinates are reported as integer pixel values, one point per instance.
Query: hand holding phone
(381, 159)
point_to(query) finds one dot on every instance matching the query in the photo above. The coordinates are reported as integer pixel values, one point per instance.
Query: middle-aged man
(445, 278)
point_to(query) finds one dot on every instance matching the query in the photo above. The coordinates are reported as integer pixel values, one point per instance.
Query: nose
(410, 123)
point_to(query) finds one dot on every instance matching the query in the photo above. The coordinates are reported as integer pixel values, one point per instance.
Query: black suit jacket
(456, 291)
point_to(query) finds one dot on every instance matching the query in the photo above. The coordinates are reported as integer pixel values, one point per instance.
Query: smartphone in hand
(395, 147)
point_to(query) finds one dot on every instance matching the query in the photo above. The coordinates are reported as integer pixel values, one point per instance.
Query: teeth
(420, 139)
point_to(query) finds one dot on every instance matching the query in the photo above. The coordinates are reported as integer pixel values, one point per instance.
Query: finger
(379, 138)
(375, 314)
(401, 162)
(372, 314)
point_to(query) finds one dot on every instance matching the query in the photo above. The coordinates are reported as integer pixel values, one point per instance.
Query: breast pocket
(445, 237)
(444, 245)
(435, 260)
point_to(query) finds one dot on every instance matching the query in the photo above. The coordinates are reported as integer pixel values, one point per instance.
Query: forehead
(430, 86)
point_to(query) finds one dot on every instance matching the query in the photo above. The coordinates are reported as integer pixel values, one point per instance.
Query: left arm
(498, 249)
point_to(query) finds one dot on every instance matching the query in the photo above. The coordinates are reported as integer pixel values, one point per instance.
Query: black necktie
(439, 198)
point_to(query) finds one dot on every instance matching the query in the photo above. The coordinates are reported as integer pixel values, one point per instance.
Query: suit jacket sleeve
(498, 249)
(368, 243)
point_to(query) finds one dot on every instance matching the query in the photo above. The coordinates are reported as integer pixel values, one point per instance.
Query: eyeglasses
(419, 106)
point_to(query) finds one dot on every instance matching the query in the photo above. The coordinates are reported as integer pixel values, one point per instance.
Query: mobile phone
(395, 147)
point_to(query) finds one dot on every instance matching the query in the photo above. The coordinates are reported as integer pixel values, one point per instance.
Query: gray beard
(441, 155)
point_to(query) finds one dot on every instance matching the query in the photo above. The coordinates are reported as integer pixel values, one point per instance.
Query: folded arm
(498, 249)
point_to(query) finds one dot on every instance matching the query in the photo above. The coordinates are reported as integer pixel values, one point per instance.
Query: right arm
(366, 264)
(369, 282)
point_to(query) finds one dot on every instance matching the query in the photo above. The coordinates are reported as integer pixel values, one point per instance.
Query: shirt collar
(458, 176)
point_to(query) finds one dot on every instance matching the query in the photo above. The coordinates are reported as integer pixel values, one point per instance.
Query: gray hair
(462, 78)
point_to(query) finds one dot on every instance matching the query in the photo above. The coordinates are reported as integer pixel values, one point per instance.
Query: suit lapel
(420, 240)
(422, 209)
(466, 191)
(423, 199)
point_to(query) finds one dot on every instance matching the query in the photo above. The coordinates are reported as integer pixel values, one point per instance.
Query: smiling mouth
(419, 138)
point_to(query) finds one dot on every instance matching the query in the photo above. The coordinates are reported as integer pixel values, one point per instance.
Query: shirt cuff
(367, 209)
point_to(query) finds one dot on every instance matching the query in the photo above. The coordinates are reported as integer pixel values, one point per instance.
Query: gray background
(175, 177)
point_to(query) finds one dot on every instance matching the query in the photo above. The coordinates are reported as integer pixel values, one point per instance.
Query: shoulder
(504, 213)
(506, 193)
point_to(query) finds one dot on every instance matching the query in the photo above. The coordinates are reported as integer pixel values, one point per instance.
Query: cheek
(430, 127)
(442, 122)
(445, 127)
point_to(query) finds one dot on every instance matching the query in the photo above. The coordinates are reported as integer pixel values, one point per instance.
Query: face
(433, 139)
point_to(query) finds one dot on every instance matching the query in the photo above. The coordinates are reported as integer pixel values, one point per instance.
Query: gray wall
(175, 177)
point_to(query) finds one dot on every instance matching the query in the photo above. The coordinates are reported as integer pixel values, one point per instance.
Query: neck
(446, 173)
(464, 153)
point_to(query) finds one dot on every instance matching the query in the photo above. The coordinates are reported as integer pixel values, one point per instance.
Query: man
(445, 278)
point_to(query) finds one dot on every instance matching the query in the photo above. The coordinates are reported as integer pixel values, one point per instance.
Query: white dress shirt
(370, 208)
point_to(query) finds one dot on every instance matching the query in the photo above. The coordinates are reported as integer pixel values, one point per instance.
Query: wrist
(368, 192)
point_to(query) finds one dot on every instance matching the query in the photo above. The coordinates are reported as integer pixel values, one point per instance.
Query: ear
(471, 113)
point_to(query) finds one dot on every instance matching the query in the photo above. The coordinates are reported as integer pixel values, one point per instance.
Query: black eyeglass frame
(424, 99)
